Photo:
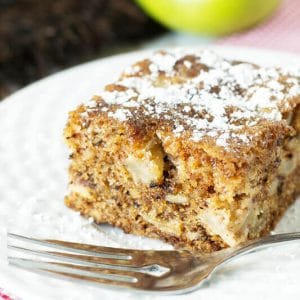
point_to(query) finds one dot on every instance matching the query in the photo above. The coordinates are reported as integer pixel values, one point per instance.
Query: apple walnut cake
(189, 147)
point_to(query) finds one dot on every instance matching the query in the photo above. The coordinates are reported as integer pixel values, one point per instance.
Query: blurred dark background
(38, 37)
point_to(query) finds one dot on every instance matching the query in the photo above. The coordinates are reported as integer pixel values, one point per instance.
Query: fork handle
(264, 242)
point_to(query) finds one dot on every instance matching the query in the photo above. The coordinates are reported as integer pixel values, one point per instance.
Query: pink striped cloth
(280, 32)
(4, 296)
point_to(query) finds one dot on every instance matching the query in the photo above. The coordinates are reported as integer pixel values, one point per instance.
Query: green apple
(210, 17)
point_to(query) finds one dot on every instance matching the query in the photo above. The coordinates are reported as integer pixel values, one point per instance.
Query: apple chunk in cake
(189, 147)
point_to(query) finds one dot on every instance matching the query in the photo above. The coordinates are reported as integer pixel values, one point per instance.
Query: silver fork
(149, 270)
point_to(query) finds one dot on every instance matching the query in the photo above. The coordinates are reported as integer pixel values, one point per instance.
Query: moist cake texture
(189, 147)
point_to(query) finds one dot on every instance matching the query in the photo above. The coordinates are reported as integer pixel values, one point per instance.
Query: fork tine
(77, 258)
(128, 275)
(132, 280)
(114, 256)
(99, 275)
(108, 252)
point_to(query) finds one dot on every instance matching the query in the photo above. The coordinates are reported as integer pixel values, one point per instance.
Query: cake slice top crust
(202, 97)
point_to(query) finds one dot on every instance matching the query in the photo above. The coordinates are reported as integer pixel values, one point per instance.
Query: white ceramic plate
(33, 180)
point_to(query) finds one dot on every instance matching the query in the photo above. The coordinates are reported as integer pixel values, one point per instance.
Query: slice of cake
(189, 147)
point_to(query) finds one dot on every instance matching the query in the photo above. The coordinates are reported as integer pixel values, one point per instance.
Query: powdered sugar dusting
(202, 93)
(120, 114)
